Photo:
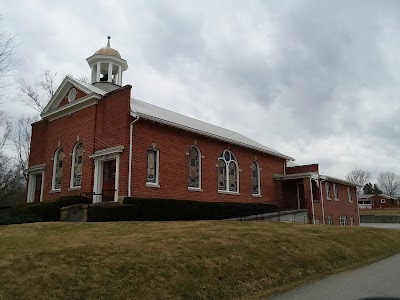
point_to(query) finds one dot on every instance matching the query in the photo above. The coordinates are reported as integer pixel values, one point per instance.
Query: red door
(38, 187)
(108, 190)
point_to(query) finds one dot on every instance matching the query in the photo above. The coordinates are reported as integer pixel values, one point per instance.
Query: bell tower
(107, 68)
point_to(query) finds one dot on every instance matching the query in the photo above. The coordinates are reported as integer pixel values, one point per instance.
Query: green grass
(178, 260)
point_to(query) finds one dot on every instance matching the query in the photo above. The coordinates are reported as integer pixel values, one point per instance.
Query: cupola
(107, 67)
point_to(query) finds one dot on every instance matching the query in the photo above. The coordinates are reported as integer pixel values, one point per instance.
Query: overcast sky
(315, 80)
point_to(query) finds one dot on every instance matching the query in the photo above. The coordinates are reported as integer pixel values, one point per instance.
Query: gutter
(130, 155)
(322, 198)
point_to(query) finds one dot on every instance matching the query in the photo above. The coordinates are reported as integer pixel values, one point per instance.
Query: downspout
(322, 199)
(312, 202)
(130, 155)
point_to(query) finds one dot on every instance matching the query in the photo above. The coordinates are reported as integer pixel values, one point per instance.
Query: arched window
(255, 178)
(77, 161)
(228, 176)
(57, 169)
(194, 165)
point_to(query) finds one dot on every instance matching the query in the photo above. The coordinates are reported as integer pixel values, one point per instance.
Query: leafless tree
(37, 95)
(359, 177)
(389, 183)
(22, 140)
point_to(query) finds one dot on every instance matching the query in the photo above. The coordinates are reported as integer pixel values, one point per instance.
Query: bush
(104, 212)
(7, 220)
(46, 211)
(169, 209)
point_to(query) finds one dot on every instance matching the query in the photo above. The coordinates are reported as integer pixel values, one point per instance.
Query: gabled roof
(65, 85)
(164, 116)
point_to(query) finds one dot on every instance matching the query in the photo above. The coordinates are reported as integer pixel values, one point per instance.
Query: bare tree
(37, 95)
(389, 182)
(22, 140)
(7, 51)
(359, 177)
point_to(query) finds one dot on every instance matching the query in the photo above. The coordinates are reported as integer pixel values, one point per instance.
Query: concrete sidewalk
(381, 279)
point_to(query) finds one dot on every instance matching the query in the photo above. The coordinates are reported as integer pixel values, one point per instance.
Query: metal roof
(157, 114)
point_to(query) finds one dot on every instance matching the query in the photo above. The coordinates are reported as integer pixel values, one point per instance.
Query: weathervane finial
(108, 43)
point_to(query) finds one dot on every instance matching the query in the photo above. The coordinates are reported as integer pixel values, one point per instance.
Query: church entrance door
(108, 188)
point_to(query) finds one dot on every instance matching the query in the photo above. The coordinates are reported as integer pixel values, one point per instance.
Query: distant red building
(377, 201)
(95, 138)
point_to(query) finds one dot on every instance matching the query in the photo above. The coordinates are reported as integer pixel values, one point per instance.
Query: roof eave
(190, 129)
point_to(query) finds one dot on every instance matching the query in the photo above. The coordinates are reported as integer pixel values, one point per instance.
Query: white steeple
(107, 67)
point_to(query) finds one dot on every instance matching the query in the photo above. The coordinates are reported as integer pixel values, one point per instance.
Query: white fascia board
(151, 118)
(105, 58)
(295, 176)
(117, 149)
(60, 89)
(71, 107)
(341, 181)
(36, 168)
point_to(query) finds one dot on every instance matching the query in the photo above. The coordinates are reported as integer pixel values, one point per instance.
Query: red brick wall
(173, 144)
(341, 206)
(112, 117)
(302, 169)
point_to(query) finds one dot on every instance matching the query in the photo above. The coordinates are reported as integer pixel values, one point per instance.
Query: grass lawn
(381, 212)
(179, 260)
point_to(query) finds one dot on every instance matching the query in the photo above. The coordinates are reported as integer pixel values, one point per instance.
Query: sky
(316, 80)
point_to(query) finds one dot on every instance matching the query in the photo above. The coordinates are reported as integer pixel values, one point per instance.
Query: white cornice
(71, 107)
(112, 150)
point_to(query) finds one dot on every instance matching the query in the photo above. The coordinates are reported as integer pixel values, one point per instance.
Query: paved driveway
(381, 279)
(382, 225)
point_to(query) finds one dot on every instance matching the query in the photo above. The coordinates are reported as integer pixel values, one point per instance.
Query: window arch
(194, 168)
(228, 172)
(255, 178)
(77, 164)
(57, 169)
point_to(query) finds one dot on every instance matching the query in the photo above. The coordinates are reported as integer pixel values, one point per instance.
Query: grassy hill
(178, 260)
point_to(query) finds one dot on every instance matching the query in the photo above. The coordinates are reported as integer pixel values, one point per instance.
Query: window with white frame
(57, 169)
(349, 196)
(255, 178)
(152, 166)
(194, 165)
(328, 190)
(77, 163)
(335, 191)
(383, 201)
(228, 176)
(330, 220)
(343, 220)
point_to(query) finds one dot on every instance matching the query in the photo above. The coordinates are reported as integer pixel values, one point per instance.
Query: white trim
(234, 160)
(157, 182)
(193, 189)
(105, 152)
(152, 184)
(53, 177)
(72, 107)
(349, 195)
(32, 173)
(99, 158)
(71, 182)
(200, 158)
(228, 192)
(75, 188)
(258, 178)
(335, 192)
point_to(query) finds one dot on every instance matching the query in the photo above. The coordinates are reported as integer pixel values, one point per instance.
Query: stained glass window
(194, 167)
(78, 161)
(228, 172)
(152, 166)
(255, 178)
(58, 164)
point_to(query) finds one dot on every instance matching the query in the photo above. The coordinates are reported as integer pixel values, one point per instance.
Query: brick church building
(93, 138)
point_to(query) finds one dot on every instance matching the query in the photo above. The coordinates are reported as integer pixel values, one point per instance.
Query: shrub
(7, 220)
(170, 209)
(47, 211)
(104, 212)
